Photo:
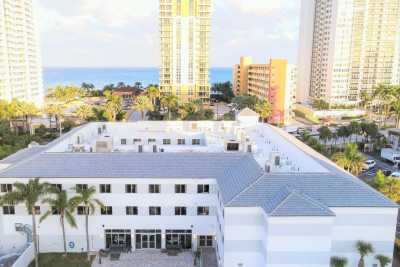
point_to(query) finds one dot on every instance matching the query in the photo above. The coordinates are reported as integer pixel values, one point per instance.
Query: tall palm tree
(189, 110)
(84, 112)
(62, 206)
(153, 93)
(263, 108)
(113, 106)
(29, 194)
(383, 260)
(363, 249)
(351, 159)
(338, 262)
(170, 102)
(143, 103)
(85, 197)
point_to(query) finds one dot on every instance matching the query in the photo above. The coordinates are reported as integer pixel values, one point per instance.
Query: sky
(125, 33)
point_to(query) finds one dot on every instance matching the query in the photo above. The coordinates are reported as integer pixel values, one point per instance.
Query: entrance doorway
(181, 239)
(148, 239)
(118, 238)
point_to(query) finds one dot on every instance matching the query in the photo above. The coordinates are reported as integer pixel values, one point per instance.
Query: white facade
(251, 191)
(20, 61)
(347, 47)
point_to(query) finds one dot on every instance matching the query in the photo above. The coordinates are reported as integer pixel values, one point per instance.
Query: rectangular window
(180, 188)
(55, 211)
(81, 210)
(196, 142)
(137, 140)
(180, 211)
(5, 188)
(57, 187)
(206, 240)
(151, 140)
(80, 187)
(153, 211)
(154, 189)
(203, 211)
(8, 210)
(232, 147)
(107, 210)
(130, 188)
(131, 210)
(203, 188)
(166, 141)
(123, 141)
(105, 188)
(181, 142)
(37, 210)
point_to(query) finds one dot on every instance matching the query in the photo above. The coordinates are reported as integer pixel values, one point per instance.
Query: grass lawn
(57, 259)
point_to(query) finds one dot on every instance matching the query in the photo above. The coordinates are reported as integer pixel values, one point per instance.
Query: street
(380, 165)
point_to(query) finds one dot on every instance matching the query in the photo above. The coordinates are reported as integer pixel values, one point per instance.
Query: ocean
(103, 76)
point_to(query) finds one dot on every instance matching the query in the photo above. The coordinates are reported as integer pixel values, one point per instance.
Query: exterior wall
(246, 233)
(20, 61)
(185, 29)
(26, 257)
(50, 238)
(374, 225)
(299, 241)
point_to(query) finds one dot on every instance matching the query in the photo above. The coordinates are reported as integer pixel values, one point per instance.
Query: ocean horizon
(100, 77)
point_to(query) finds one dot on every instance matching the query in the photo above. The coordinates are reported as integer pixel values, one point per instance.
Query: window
(203, 211)
(137, 140)
(151, 140)
(123, 141)
(37, 210)
(181, 141)
(206, 240)
(80, 187)
(55, 211)
(8, 210)
(130, 188)
(166, 141)
(233, 147)
(154, 188)
(196, 142)
(106, 210)
(180, 211)
(203, 188)
(131, 210)
(57, 187)
(81, 210)
(180, 188)
(154, 211)
(105, 188)
(5, 188)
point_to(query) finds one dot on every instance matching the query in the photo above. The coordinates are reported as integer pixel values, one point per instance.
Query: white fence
(26, 257)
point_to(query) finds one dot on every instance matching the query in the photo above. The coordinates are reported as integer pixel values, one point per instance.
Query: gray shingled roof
(23, 154)
(232, 171)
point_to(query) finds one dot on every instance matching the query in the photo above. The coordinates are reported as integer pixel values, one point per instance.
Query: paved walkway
(148, 259)
(208, 257)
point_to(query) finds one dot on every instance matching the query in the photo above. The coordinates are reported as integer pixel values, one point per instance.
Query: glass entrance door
(178, 239)
(118, 238)
(148, 239)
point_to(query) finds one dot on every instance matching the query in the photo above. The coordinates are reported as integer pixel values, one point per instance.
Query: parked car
(387, 172)
(369, 164)
(395, 174)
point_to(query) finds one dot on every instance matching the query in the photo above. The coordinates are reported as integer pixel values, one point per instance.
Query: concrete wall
(26, 257)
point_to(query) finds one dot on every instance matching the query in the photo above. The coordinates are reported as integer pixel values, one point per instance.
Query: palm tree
(84, 112)
(363, 249)
(29, 194)
(170, 102)
(383, 260)
(62, 206)
(153, 93)
(113, 106)
(263, 108)
(85, 198)
(325, 134)
(338, 262)
(351, 159)
(189, 110)
(143, 103)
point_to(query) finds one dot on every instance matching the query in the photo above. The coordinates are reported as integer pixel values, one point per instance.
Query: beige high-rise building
(347, 47)
(185, 30)
(20, 61)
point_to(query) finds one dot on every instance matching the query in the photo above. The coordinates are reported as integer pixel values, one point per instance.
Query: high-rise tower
(347, 47)
(20, 61)
(185, 31)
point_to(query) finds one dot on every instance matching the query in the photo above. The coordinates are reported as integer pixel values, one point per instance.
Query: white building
(254, 193)
(347, 47)
(20, 61)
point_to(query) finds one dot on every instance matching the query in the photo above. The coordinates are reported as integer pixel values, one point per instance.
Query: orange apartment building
(274, 81)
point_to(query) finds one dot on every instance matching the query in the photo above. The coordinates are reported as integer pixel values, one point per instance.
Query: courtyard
(148, 258)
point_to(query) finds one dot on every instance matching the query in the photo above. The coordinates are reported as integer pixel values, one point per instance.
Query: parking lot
(380, 165)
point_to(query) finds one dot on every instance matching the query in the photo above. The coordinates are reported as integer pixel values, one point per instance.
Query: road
(380, 164)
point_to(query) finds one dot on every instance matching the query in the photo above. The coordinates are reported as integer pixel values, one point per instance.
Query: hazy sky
(124, 33)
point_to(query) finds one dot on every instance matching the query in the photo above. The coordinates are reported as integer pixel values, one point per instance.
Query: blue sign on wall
(71, 244)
